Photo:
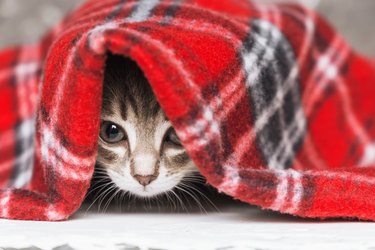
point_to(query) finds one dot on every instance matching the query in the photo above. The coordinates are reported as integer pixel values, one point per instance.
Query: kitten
(139, 150)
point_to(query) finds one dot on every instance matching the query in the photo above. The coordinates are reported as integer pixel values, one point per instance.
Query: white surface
(236, 228)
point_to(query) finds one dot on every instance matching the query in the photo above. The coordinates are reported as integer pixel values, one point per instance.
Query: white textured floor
(243, 227)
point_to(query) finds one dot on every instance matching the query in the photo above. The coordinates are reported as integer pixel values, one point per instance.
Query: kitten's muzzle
(145, 180)
(145, 168)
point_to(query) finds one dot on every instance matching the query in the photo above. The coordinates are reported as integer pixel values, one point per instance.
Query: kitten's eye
(173, 138)
(111, 132)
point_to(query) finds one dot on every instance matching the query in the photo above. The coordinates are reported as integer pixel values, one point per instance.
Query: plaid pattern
(271, 104)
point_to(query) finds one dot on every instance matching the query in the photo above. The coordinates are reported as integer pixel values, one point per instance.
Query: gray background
(26, 20)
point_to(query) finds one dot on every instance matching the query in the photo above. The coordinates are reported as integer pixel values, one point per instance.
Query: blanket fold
(272, 105)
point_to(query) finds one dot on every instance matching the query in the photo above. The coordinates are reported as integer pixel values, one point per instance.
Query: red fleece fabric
(270, 102)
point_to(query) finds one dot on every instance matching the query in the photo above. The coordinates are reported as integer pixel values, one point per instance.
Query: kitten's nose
(144, 180)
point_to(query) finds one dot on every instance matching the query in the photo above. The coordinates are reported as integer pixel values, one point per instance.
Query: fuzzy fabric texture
(272, 105)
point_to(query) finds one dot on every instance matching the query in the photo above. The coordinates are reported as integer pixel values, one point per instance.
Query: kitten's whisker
(101, 171)
(100, 196)
(194, 178)
(132, 199)
(193, 172)
(192, 195)
(101, 208)
(95, 188)
(191, 179)
(97, 169)
(104, 194)
(202, 195)
(100, 177)
(169, 197)
(103, 186)
(122, 198)
(179, 199)
(186, 198)
(106, 205)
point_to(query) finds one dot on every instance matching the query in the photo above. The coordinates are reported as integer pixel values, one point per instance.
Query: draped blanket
(272, 105)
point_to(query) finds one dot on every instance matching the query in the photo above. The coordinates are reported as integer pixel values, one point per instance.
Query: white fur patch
(160, 132)
(144, 164)
(132, 135)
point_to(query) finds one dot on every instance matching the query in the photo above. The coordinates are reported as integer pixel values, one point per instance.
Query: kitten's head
(138, 148)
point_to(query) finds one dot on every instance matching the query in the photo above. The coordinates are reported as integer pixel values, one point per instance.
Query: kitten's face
(138, 148)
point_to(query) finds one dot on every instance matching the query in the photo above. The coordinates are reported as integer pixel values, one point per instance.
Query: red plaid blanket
(272, 105)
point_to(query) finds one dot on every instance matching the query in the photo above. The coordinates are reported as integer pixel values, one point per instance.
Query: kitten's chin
(146, 194)
(152, 190)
